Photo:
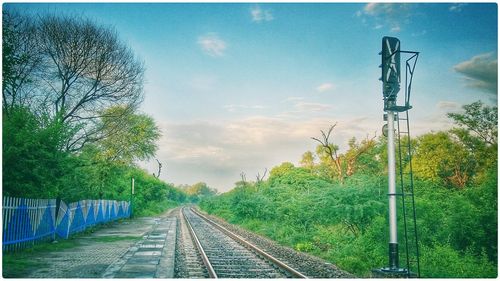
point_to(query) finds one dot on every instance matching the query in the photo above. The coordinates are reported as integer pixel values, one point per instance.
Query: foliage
(307, 160)
(480, 120)
(77, 135)
(439, 158)
(342, 165)
(21, 60)
(71, 69)
(32, 160)
(198, 191)
(128, 136)
(345, 223)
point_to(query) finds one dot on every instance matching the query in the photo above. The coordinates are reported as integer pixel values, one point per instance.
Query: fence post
(29, 221)
(58, 206)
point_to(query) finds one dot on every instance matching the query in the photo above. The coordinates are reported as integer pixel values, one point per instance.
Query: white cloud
(480, 72)
(389, 15)
(293, 99)
(237, 107)
(386, 9)
(212, 45)
(301, 109)
(421, 33)
(457, 7)
(447, 105)
(396, 28)
(312, 107)
(377, 8)
(259, 15)
(325, 87)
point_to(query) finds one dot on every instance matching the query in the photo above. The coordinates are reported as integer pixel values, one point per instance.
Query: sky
(243, 87)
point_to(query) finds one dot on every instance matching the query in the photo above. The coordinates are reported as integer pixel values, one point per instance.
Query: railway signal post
(391, 85)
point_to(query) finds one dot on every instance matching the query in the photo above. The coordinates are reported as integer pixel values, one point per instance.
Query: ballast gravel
(311, 266)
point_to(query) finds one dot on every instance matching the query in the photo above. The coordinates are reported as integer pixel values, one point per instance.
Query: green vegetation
(71, 128)
(109, 239)
(323, 209)
(198, 191)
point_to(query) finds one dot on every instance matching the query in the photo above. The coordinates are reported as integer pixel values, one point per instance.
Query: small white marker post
(132, 198)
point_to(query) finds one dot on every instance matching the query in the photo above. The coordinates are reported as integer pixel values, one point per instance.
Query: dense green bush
(347, 223)
(343, 217)
(35, 166)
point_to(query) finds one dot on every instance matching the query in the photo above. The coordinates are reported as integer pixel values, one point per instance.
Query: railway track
(192, 263)
(226, 255)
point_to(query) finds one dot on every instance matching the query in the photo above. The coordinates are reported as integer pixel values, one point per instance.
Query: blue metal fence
(28, 221)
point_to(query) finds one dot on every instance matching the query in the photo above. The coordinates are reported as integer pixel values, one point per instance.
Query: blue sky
(242, 87)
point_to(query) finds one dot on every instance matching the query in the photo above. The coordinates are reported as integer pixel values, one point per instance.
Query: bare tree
(159, 169)
(259, 178)
(243, 177)
(89, 69)
(83, 68)
(344, 164)
(22, 60)
(331, 150)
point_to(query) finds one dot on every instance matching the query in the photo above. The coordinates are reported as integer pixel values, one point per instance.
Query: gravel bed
(228, 257)
(311, 266)
(188, 263)
(180, 259)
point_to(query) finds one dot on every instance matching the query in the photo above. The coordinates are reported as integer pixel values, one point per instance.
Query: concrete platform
(151, 257)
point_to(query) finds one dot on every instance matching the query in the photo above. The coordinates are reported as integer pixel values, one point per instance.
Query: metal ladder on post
(412, 255)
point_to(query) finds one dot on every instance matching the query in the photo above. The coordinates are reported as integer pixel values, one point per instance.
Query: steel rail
(204, 257)
(247, 244)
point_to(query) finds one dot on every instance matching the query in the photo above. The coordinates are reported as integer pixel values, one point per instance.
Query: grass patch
(20, 264)
(110, 239)
(154, 208)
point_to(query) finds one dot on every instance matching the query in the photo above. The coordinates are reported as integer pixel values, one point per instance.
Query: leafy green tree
(478, 133)
(32, 161)
(126, 136)
(71, 69)
(307, 160)
(479, 120)
(282, 169)
(329, 153)
(199, 191)
(348, 226)
(343, 164)
(70, 128)
(439, 158)
(355, 151)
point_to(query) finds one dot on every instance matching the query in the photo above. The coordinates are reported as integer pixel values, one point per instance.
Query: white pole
(393, 232)
(132, 199)
(133, 181)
